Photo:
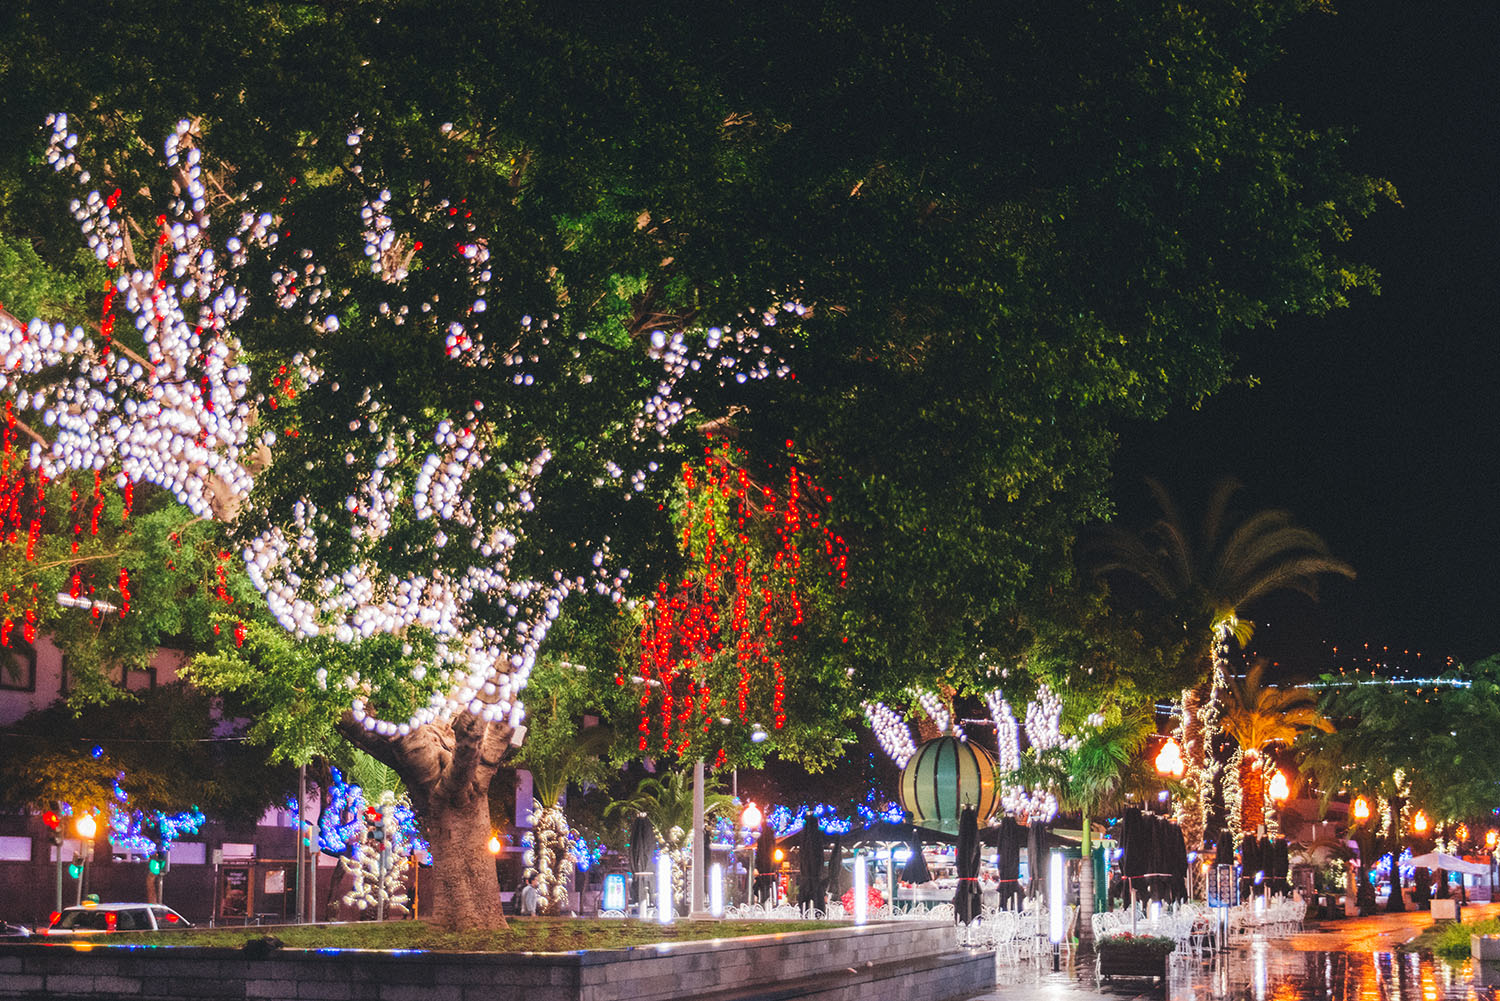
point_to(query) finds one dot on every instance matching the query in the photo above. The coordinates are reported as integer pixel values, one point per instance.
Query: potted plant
(1127, 955)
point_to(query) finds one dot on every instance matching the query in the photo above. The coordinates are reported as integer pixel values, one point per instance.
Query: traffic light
(309, 835)
(54, 826)
(375, 823)
(75, 867)
(159, 864)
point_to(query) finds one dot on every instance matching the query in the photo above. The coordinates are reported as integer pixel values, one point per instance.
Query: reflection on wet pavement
(1264, 971)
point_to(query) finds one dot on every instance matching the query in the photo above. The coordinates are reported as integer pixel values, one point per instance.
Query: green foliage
(667, 803)
(172, 748)
(1430, 744)
(1012, 228)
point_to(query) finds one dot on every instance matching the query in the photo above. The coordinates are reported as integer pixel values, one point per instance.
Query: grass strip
(520, 935)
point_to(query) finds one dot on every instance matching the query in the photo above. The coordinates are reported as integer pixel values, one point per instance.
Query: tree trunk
(1086, 891)
(1253, 791)
(1034, 859)
(1189, 813)
(447, 768)
(1396, 902)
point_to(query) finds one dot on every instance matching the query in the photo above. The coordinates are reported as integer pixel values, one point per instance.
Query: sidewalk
(1345, 960)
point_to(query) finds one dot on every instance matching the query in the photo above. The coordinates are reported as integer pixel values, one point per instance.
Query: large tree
(955, 245)
(1260, 716)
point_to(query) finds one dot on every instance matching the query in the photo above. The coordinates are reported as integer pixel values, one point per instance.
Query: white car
(96, 919)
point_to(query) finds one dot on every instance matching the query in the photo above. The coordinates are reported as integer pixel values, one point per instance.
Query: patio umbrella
(966, 899)
(642, 847)
(810, 862)
(836, 885)
(1007, 839)
(765, 861)
(1179, 862)
(915, 870)
(1281, 865)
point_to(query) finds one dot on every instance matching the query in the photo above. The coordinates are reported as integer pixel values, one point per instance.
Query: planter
(1139, 958)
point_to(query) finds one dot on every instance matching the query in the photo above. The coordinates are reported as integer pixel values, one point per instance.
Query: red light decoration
(737, 604)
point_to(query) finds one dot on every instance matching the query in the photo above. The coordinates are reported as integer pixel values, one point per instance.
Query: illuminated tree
(1259, 716)
(1207, 579)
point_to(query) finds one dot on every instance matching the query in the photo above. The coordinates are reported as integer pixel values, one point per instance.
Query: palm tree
(1208, 580)
(668, 805)
(1088, 775)
(553, 767)
(1259, 716)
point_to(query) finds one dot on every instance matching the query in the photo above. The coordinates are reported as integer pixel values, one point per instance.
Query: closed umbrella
(915, 870)
(765, 861)
(1008, 839)
(642, 847)
(810, 865)
(966, 900)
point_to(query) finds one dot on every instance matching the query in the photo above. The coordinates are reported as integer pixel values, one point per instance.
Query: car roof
(109, 907)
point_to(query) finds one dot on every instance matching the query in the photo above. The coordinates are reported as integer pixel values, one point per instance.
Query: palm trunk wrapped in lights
(551, 855)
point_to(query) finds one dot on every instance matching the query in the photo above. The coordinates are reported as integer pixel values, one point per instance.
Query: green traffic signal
(75, 870)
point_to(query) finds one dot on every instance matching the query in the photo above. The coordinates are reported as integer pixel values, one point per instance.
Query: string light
(183, 416)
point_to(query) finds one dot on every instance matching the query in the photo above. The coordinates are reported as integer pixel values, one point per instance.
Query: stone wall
(894, 961)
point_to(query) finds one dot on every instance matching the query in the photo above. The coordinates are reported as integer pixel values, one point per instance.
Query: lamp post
(86, 828)
(750, 818)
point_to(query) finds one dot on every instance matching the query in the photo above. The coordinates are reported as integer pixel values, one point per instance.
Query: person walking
(530, 896)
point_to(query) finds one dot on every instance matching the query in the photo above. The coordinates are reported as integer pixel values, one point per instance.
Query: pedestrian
(530, 896)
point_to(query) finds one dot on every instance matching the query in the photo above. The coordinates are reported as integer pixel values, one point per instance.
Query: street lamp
(494, 845)
(1169, 761)
(1419, 823)
(750, 818)
(1361, 810)
(85, 827)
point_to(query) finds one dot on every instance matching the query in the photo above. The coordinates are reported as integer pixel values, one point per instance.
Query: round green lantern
(945, 775)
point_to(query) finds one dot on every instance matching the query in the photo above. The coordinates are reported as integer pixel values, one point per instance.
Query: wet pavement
(1349, 960)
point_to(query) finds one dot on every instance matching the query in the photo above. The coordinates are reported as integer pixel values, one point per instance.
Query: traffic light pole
(301, 837)
(58, 904)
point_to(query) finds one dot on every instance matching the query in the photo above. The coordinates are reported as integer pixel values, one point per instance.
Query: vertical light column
(861, 890)
(1056, 898)
(716, 890)
(664, 907)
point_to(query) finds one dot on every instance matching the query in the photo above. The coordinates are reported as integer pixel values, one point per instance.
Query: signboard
(1223, 888)
(614, 892)
(275, 881)
(235, 892)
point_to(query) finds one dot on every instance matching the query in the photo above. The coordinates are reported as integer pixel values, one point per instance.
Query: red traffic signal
(52, 820)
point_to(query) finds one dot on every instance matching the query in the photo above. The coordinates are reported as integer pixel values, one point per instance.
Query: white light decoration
(1057, 903)
(937, 712)
(666, 909)
(861, 890)
(716, 889)
(1039, 805)
(551, 854)
(892, 732)
(378, 866)
(182, 416)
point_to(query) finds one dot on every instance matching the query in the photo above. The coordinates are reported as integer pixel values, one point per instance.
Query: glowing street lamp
(1360, 810)
(1491, 838)
(1419, 823)
(1169, 761)
(1279, 790)
(85, 827)
(750, 818)
(494, 845)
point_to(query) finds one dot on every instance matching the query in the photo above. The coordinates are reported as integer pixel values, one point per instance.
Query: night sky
(1378, 426)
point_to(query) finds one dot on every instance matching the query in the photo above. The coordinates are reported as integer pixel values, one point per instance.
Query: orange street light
(750, 817)
(1169, 761)
(494, 844)
(1463, 832)
(1279, 789)
(1491, 838)
(1419, 822)
(86, 827)
(779, 855)
(1361, 810)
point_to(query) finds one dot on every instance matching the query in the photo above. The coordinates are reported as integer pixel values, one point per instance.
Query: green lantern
(945, 775)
